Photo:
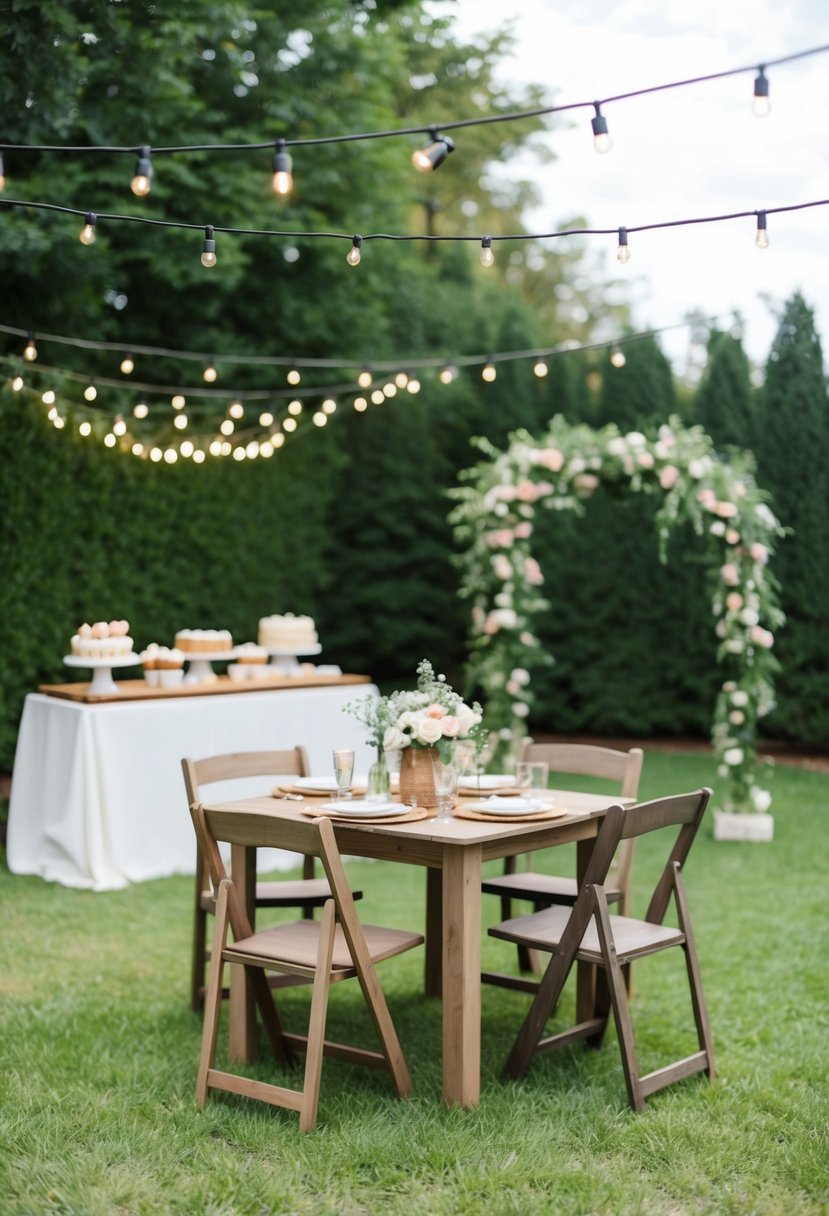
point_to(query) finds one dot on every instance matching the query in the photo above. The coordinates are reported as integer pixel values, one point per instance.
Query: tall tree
(723, 404)
(640, 391)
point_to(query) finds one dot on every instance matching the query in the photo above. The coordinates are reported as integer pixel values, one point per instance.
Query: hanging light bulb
(30, 350)
(140, 410)
(623, 252)
(236, 409)
(432, 157)
(401, 379)
(353, 255)
(90, 392)
(119, 426)
(226, 426)
(617, 358)
(294, 376)
(378, 397)
(87, 233)
(178, 402)
(48, 398)
(295, 407)
(265, 418)
(601, 140)
(208, 257)
(17, 383)
(142, 182)
(283, 178)
(210, 375)
(360, 404)
(365, 378)
(180, 422)
(487, 256)
(127, 365)
(329, 405)
(413, 386)
(319, 419)
(289, 424)
(760, 105)
(540, 369)
(761, 240)
(2, 174)
(448, 373)
(85, 429)
(489, 372)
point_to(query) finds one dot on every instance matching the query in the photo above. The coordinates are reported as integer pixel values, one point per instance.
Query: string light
(236, 410)
(17, 383)
(140, 410)
(30, 350)
(623, 252)
(283, 178)
(226, 426)
(760, 105)
(360, 404)
(617, 358)
(448, 373)
(289, 424)
(142, 182)
(295, 407)
(90, 392)
(487, 256)
(540, 369)
(266, 419)
(601, 140)
(353, 255)
(178, 402)
(85, 429)
(390, 389)
(489, 372)
(87, 233)
(119, 426)
(378, 397)
(127, 365)
(48, 397)
(208, 257)
(294, 376)
(413, 385)
(210, 375)
(365, 378)
(329, 405)
(319, 419)
(180, 422)
(761, 240)
(425, 160)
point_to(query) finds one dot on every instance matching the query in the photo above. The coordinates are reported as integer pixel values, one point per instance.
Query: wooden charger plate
(411, 816)
(553, 812)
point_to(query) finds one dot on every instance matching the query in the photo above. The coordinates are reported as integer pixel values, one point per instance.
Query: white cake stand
(102, 683)
(201, 665)
(286, 662)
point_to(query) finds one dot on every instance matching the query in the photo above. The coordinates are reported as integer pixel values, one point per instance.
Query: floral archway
(494, 520)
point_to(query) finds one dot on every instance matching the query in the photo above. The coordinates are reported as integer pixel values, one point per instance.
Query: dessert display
(204, 641)
(288, 632)
(250, 653)
(103, 640)
(160, 664)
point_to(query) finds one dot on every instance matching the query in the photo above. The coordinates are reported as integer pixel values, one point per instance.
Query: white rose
(636, 439)
(761, 799)
(738, 697)
(408, 720)
(717, 528)
(394, 739)
(750, 616)
(520, 709)
(576, 465)
(428, 730)
(698, 468)
(733, 756)
(520, 675)
(617, 446)
(467, 718)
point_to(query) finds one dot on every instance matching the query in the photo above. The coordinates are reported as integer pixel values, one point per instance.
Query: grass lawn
(99, 1053)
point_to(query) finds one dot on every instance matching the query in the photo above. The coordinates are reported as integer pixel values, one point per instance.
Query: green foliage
(639, 393)
(724, 401)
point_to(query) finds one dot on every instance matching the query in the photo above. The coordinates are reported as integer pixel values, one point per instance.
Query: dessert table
(454, 853)
(97, 798)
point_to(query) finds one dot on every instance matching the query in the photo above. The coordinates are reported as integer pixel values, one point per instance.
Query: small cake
(103, 640)
(204, 641)
(288, 632)
(250, 653)
(149, 661)
(170, 659)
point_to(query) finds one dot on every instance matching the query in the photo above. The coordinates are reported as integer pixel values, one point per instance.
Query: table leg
(242, 1014)
(461, 975)
(433, 954)
(585, 972)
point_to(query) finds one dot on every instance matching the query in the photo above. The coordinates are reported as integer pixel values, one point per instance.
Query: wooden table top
(139, 690)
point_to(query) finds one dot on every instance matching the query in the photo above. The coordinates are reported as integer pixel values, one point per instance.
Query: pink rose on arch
(501, 538)
(450, 726)
(726, 510)
(526, 491)
(732, 536)
(734, 601)
(645, 460)
(586, 482)
(762, 637)
(759, 553)
(730, 574)
(435, 711)
(502, 567)
(491, 624)
(513, 688)
(707, 498)
(524, 530)
(544, 488)
(550, 458)
(532, 571)
(504, 493)
(668, 476)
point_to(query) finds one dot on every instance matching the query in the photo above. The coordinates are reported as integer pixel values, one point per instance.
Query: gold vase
(417, 778)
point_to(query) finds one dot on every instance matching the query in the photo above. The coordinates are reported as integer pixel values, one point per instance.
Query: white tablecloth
(98, 796)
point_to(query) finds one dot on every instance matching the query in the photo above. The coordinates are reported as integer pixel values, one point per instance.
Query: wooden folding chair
(623, 769)
(306, 893)
(588, 933)
(321, 952)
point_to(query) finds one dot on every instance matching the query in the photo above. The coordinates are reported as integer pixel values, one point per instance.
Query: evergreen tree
(638, 393)
(792, 447)
(723, 404)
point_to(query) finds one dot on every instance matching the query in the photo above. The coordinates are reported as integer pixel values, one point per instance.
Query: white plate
(486, 781)
(509, 806)
(314, 783)
(362, 810)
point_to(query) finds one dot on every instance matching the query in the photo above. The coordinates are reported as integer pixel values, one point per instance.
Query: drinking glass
(532, 774)
(446, 787)
(343, 770)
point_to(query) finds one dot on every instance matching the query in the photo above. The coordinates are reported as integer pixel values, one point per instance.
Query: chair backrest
(232, 765)
(314, 838)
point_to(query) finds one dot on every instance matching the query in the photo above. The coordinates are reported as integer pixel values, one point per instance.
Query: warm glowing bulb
(489, 373)
(401, 379)
(252, 449)
(210, 375)
(171, 455)
(236, 409)
(447, 374)
(198, 456)
(353, 255)
(762, 239)
(90, 392)
(389, 390)
(227, 427)
(110, 440)
(186, 448)
(215, 448)
(319, 419)
(85, 429)
(364, 379)
(178, 402)
(433, 156)
(360, 404)
(278, 440)
(127, 365)
(618, 358)
(17, 383)
(413, 386)
(329, 405)
(87, 233)
(294, 407)
(378, 397)
(60, 423)
(208, 258)
(30, 351)
(53, 413)
(601, 140)
(141, 183)
(294, 376)
(156, 454)
(137, 449)
(48, 397)
(119, 426)
(266, 418)
(141, 410)
(282, 166)
(180, 422)
(540, 369)
(289, 424)
(487, 256)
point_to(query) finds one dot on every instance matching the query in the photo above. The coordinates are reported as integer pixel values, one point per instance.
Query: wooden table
(454, 854)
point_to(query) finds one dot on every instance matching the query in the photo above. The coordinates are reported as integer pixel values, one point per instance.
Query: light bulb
(140, 410)
(390, 389)
(198, 456)
(110, 440)
(186, 448)
(295, 407)
(601, 140)
(294, 376)
(48, 397)
(265, 418)
(87, 233)
(208, 257)
(30, 350)
(137, 449)
(85, 429)
(283, 178)
(360, 404)
(236, 409)
(17, 383)
(142, 182)
(180, 422)
(119, 426)
(127, 365)
(413, 386)
(278, 440)
(353, 255)
(623, 252)
(226, 426)
(489, 373)
(401, 379)
(289, 424)
(378, 397)
(178, 402)
(210, 375)
(432, 157)
(760, 105)
(364, 379)
(90, 392)
(329, 405)
(618, 359)
(540, 369)
(319, 419)
(761, 240)
(487, 256)
(170, 455)
(447, 374)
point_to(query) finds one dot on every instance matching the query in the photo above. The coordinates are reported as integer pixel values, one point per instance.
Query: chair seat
(313, 891)
(632, 938)
(530, 885)
(298, 942)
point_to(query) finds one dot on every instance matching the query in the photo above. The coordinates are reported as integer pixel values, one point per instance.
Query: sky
(693, 151)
